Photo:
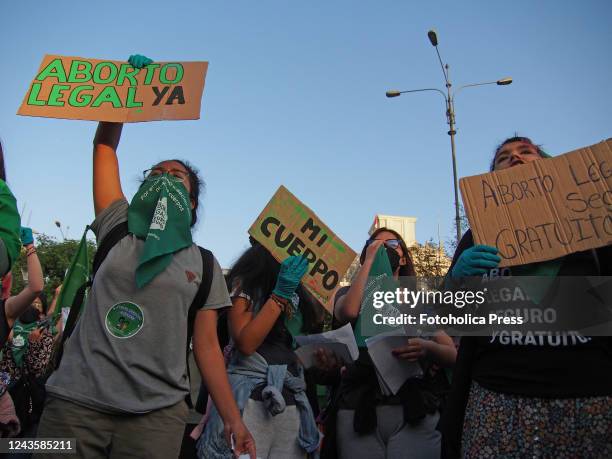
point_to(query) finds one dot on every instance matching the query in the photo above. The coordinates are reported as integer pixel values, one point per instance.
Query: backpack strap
(110, 240)
(198, 301)
(117, 233)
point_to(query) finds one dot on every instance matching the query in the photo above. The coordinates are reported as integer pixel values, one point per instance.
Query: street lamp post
(59, 225)
(449, 99)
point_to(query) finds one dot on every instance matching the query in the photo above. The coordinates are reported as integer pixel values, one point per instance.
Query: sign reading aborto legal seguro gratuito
(286, 227)
(544, 209)
(104, 90)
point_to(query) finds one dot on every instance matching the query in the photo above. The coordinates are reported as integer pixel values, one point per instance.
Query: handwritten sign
(103, 90)
(544, 209)
(287, 227)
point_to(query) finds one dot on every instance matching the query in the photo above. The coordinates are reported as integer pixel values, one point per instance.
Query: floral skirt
(510, 426)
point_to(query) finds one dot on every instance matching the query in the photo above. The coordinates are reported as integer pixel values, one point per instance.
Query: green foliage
(430, 259)
(55, 257)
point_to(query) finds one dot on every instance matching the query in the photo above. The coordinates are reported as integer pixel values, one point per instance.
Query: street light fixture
(449, 99)
(59, 225)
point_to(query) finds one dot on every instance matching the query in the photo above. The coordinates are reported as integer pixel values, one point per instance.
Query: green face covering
(160, 213)
(20, 343)
(10, 223)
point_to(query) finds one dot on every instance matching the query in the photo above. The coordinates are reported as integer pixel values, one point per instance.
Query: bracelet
(30, 251)
(280, 302)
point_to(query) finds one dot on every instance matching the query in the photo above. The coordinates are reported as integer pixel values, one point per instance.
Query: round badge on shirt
(124, 320)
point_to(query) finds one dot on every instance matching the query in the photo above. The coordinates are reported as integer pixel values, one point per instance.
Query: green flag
(77, 274)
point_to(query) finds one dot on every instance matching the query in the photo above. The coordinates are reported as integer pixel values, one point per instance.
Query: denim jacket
(245, 373)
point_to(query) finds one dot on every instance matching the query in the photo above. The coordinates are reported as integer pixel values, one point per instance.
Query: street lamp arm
(415, 90)
(471, 85)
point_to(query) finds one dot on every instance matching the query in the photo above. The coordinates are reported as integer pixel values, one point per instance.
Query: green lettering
(150, 73)
(131, 98)
(78, 68)
(129, 72)
(33, 97)
(56, 94)
(112, 73)
(75, 101)
(55, 69)
(108, 94)
(163, 73)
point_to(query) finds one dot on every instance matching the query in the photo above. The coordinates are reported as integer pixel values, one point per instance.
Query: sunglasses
(391, 243)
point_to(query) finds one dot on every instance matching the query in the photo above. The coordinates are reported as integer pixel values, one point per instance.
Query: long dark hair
(2, 169)
(405, 270)
(197, 185)
(255, 274)
(516, 138)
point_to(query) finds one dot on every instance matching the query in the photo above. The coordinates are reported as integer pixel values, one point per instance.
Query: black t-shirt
(547, 365)
(276, 349)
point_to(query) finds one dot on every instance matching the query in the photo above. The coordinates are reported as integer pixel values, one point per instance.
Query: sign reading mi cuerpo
(102, 90)
(287, 227)
(544, 209)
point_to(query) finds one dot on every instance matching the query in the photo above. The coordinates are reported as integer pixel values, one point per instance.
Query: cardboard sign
(100, 90)
(287, 227)
(544, 209)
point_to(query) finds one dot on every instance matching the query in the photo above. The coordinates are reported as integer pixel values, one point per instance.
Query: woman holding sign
(269, 309)
(369, 423)
(545, 394)
(120, 389)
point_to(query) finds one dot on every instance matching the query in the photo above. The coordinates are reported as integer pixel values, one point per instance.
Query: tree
(451, 243)
(430, 259)
(55, 257)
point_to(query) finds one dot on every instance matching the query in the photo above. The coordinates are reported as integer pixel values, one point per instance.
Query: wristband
(280, 302)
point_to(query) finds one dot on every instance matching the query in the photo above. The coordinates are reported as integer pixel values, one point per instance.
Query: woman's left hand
(240, 439)
(416, 349)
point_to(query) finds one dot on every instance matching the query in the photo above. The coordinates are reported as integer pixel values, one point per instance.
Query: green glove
(26, 236)
(291, 272)
(139, 61)
(476, 260)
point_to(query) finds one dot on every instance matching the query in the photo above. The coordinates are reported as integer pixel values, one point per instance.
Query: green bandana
(160, 213)
(10, 223)
(545, 271)
(380, 279)
(20, 343)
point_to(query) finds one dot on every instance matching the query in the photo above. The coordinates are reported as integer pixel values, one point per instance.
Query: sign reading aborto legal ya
(104, 90)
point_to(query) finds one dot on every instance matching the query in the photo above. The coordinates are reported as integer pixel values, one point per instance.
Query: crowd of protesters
(122, 386)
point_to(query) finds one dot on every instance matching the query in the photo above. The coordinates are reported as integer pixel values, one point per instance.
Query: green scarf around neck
(160, 213)
(10, 223)
(545, 273)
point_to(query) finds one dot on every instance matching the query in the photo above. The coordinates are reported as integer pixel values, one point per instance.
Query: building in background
(405, 226)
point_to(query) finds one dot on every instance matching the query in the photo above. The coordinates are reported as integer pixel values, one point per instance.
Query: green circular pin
(124, 320)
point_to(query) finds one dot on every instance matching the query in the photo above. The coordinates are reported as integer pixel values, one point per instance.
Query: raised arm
(106, 181)
(348, 306)
(248, 330)
(15, 305)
